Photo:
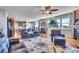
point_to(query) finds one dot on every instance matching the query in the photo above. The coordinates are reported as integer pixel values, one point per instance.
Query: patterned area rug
(41, 45)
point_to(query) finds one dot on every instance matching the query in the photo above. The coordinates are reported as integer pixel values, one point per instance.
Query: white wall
(3, 21)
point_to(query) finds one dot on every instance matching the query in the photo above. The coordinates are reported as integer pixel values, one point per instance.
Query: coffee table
(14, 40)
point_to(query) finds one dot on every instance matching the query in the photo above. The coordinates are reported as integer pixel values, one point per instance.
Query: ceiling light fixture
(48, 10)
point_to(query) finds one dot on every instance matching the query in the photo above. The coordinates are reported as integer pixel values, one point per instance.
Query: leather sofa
(29, 34)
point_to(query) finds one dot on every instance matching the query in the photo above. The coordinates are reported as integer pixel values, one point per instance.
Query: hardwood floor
(72, 42)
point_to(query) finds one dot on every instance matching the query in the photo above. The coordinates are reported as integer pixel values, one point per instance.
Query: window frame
(61, 17)
(66, 23)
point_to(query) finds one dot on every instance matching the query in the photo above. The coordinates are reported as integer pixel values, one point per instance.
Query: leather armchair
(57, 37)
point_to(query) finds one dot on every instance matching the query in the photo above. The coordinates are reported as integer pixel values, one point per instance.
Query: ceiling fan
(48, 10)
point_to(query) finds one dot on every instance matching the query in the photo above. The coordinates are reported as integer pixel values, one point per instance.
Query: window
(65, 22)
(29, 25)
(55, 23)
(36, 25)
(62, 21)
(58, 22)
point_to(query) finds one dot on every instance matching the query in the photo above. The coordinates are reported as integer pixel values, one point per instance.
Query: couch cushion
(58, 37)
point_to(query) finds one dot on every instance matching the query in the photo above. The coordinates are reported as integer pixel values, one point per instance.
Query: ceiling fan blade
(54, 10)
(50, 12)
(42, 10)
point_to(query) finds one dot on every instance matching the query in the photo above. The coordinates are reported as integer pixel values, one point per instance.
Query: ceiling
(33, 12)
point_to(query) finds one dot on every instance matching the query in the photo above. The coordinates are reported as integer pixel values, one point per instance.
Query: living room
(38, 29)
